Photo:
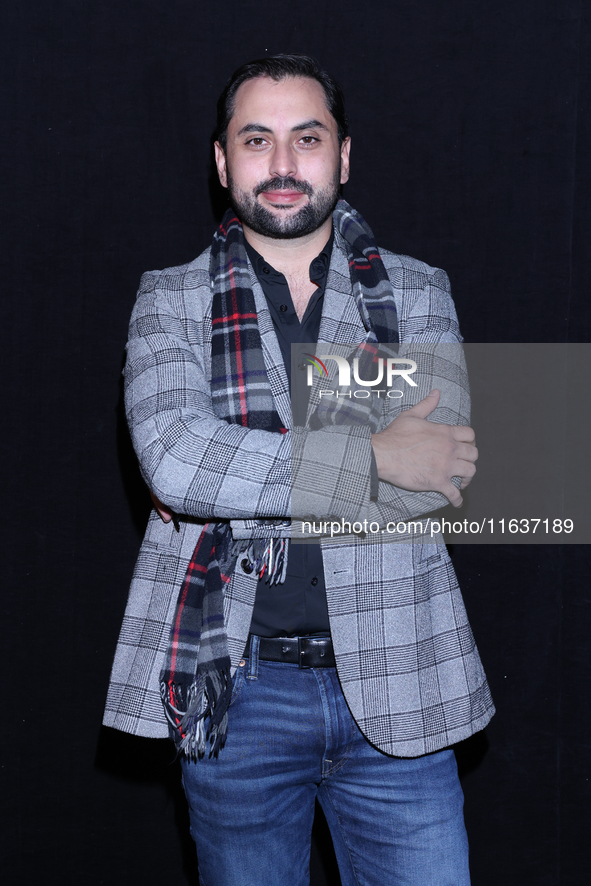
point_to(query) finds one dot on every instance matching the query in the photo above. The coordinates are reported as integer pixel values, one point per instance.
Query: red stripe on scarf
(232, 318)
(241, 386)
(369, 258)
(229, 222)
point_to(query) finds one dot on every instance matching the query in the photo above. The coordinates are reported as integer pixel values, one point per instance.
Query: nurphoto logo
(386, 370)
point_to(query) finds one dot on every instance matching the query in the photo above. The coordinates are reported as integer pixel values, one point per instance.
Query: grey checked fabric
(404, 650)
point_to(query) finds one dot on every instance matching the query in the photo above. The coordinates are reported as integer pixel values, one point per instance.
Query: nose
(283, 161)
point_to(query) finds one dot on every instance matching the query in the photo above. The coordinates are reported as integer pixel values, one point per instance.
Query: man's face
(282, 166)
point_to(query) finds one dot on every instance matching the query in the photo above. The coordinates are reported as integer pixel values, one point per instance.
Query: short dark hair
(278, 67)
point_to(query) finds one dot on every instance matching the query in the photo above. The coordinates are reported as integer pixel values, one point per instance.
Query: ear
(220, 162)
(345, 154)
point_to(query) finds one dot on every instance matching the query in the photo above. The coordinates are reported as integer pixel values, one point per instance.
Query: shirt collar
(318, 266)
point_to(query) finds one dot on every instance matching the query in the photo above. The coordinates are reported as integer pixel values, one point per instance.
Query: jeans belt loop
(301, 653)
(253, 660)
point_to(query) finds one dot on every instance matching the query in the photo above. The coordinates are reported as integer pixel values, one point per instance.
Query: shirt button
(302, 366)
(314, 581)
(283, 308)
(266, 270)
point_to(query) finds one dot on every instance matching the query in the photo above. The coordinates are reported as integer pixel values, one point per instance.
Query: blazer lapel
(341, 321)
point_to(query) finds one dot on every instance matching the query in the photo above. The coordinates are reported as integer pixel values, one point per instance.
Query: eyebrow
(259, 127)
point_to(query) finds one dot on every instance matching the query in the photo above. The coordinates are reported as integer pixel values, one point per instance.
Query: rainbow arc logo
(318, 364)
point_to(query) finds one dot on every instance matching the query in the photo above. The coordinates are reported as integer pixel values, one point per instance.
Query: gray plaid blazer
(405, 654)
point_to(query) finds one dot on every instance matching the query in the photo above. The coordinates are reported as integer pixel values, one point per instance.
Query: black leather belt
(307, 652)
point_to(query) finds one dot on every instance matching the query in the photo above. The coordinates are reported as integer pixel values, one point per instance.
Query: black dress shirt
(297, 607)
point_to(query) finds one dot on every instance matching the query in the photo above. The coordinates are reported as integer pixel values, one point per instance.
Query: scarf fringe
(268, 558)
(199, 714)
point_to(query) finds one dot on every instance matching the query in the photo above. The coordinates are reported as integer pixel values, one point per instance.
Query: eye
(309, 140)
(257, 142)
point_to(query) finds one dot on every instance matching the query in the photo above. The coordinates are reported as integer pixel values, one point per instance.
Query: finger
(464, 470)
(452, 494)
(466, 452)
(463, 434)
(425, 407)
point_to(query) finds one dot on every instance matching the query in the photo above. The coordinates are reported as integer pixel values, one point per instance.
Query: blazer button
(314, 581)
(246, 566)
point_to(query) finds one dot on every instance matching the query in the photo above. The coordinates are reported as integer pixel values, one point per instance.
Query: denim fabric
(291, 739)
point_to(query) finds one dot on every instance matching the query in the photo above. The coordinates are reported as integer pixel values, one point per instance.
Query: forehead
(280, 104)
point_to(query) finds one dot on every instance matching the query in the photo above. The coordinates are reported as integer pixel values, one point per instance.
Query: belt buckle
(301, 654)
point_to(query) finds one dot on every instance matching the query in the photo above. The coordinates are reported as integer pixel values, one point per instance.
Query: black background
(471, 145)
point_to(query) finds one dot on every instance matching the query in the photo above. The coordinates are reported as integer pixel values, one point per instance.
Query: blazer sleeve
(203, 466)
(429, 335)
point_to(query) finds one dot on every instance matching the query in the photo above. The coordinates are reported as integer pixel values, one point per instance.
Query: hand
(421, 455)
(165, 514)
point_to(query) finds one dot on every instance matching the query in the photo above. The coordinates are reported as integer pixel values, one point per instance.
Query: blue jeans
(291, 738)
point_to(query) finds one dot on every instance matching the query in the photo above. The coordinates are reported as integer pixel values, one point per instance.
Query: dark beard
(307, 220)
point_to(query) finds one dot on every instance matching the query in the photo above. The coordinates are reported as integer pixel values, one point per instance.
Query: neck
(291, 257)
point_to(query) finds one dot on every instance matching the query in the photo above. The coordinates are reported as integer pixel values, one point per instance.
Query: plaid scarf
(195, 683)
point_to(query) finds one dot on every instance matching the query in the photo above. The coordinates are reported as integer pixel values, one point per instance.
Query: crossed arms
(179, 438)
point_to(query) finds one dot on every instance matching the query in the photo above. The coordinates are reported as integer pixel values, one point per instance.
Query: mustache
(284, 183)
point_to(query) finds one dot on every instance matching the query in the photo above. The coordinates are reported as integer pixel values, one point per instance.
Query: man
(285, 671)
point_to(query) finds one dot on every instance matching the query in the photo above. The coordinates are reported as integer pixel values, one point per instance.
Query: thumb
(425, 407)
